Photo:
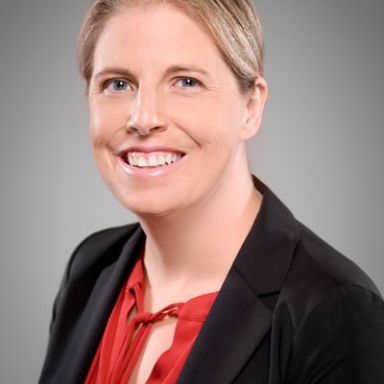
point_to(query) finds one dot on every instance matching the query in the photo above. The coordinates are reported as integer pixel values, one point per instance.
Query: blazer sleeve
(340, 340)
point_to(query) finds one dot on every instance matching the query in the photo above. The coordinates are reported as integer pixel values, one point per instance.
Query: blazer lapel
(91, 302)
(104, 296)
(236, 324)
(239, 321)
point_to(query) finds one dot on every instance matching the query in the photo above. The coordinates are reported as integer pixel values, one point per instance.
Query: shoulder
(99, 249)
(327, 297)
(107, 236)
(91, 256)
(334, 314)
(319, 273)
(330, 263)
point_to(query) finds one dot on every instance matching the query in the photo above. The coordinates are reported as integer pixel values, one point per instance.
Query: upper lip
(149, 149)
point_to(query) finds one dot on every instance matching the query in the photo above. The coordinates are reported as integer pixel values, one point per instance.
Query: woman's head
(168, 119)
(233, 25)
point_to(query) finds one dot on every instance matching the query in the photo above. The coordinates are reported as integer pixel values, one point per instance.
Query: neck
(198, 246)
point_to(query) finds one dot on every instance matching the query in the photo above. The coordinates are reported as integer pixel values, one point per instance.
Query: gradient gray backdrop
(320, 148)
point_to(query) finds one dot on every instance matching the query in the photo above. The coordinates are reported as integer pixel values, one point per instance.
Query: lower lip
(148, 172)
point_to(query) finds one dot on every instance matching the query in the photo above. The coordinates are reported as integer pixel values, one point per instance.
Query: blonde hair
(234, 26)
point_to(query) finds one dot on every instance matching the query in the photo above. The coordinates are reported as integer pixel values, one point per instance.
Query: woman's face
(167, 120)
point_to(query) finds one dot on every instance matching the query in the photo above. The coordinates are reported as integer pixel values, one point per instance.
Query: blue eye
(188, 82)
(116, 85)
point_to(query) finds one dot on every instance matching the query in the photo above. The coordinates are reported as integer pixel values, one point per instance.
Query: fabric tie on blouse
(123, 341)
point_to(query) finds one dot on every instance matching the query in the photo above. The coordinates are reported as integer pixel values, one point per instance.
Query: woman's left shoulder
(320, 277)
(334, 316)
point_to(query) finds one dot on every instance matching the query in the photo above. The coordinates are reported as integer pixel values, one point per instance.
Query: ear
(254, 108)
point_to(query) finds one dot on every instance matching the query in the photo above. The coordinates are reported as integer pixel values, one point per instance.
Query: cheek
(106, 121)
(205, 121)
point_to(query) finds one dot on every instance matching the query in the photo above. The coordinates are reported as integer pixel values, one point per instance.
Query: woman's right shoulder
(107, 236)
(103, 244)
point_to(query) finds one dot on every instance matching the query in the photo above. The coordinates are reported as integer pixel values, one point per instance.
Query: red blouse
(123, 340)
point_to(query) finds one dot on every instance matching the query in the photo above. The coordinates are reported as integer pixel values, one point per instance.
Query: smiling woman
(218, 282)
(182, 104)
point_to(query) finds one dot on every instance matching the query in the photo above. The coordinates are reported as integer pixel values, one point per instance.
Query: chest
(158, 340)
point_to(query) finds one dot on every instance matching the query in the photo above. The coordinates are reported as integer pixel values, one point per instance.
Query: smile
(152, 159)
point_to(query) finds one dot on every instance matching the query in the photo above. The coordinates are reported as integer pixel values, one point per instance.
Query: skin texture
(209, 193)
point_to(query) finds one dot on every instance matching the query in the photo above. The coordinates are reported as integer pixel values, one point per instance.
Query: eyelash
(196, 82)
(107, 83)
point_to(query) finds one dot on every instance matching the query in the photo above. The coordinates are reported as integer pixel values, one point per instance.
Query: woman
(218, 282)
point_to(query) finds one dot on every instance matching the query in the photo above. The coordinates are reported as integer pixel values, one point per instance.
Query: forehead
(155, 35)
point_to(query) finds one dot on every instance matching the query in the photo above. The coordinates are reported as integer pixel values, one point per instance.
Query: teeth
(142, 162)
(138, 160)
(161, 160)
(152, 161)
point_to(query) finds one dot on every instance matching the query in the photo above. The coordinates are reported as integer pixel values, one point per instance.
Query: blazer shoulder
(334, 313)
(335, 267)
(94, 247)
(92, 255)
(107, 236)
(317, 272)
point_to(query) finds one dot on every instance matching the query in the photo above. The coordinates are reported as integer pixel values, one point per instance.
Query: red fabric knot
(147, 317)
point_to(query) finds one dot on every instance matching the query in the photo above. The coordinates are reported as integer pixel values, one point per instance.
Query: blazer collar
(266, 253)
(238, 320)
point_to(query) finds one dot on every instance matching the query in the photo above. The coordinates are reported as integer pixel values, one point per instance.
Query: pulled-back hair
(233, 25)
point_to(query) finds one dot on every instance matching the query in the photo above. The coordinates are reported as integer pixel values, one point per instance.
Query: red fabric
(123, 341)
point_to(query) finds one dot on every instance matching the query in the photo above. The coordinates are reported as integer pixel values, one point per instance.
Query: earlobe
(255, 107)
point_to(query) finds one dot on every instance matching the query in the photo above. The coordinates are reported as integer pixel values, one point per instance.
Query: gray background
(320, 148)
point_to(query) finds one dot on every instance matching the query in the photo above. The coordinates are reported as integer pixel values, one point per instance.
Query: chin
(150, 204)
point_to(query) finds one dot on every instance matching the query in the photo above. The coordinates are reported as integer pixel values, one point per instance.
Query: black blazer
(291, 310)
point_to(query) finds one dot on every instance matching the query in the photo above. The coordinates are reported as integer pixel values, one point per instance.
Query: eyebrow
(115, 70)
(169, 71)
(179, 68)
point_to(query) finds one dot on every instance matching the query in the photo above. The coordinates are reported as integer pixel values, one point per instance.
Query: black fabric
(291, 310)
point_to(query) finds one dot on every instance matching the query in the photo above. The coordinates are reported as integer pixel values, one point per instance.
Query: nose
(145, 116)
